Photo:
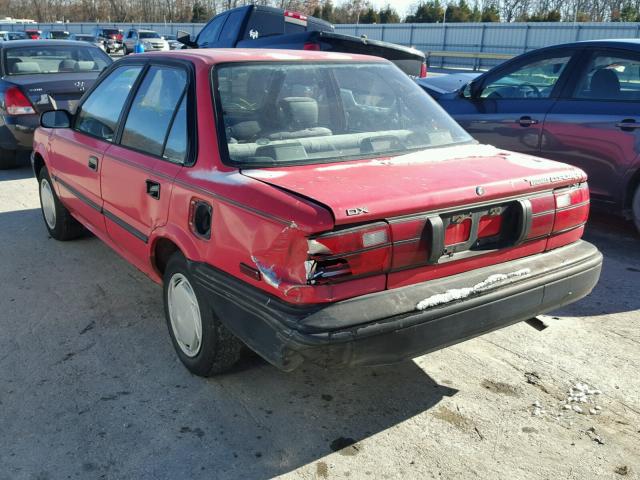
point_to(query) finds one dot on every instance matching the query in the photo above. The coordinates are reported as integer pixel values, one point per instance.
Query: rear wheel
(57, 219)
(205, 346)
(8, 159)
(635, 208)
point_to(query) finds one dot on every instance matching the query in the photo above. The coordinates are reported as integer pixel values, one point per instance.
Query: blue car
(577, 103)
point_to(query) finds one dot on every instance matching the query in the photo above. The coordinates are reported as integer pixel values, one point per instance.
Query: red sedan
(312, 206)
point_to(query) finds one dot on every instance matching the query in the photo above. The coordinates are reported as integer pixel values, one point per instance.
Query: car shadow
(86, 331)
(18, 173)
(616, 291)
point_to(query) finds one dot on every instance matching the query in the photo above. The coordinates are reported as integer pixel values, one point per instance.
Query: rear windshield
(54, 59)
(85, 38)
(149, 35)
(278, 113)
(112, 31)
(59, 35)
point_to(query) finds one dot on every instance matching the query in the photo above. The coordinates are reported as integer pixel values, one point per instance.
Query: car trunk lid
(442, 178)
(54, 91)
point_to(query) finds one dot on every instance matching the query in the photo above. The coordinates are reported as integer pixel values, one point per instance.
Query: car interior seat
(605, 84)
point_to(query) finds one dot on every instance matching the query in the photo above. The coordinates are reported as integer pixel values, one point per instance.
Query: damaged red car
(311, 206)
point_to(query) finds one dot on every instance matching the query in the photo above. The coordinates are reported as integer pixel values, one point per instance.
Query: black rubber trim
(121, 223)
(115, 219)
(79, 195)
(386, 327)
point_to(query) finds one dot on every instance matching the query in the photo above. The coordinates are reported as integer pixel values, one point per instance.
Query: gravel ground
(90, 386)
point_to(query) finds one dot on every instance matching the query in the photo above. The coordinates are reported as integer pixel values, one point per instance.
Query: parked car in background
(578, 103)
(173, 42)
(313, 207)
(150, 40)
(112, 38)
(33, 34)
(56, 35)
(4, 36)
(258, 26)
(37, 76)
(17, 36)
(83, 37)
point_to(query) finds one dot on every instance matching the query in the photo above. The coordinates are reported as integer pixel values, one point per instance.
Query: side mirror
(471, 90)
(185, 38)
(55, 119)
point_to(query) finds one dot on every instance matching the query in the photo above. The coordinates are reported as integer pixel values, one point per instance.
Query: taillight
(16, 102)
(349, 253)
(311, 46)
(572, 207)
(423, 70)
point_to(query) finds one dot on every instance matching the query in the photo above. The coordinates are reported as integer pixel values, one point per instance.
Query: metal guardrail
(476, 56)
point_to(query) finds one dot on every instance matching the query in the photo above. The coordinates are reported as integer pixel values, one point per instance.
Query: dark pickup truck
(257, 26)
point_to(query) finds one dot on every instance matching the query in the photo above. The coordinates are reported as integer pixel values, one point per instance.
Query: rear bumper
(16, 132)
(386, 327)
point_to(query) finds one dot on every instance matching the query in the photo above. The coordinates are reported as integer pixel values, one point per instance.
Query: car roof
(214, 56)
(35, 43)
(627, 43)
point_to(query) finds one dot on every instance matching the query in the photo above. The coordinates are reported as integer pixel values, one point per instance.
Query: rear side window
(610, 77)
(231, 27)
(176, 148)
(153, 108)
(99, 114)
(209, 34)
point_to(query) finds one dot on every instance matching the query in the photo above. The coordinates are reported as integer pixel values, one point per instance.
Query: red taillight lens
(311, 46)
(349, 253)
(423, 70)
(572, 207)
(457, 232)
(16, 102)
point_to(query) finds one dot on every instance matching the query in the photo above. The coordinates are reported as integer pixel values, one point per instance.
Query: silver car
(150, 40)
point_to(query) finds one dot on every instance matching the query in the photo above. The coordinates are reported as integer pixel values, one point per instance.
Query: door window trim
(190, 91)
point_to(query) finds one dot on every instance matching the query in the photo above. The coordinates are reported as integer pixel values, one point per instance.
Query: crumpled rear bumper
(387, 327)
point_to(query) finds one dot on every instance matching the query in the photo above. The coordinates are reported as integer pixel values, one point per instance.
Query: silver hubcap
(184, 314)
(48, 203)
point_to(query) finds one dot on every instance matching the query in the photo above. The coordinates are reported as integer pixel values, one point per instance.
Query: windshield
(85, 38)
(149, 35)
(54, 59)
(324, 112)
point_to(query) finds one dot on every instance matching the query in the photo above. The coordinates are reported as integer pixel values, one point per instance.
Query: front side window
(533, 80)
(54, 59)
(610, 77)
(279, 113)
(152, 110)
(99, 114)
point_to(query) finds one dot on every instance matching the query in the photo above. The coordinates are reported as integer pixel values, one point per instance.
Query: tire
(61, 225)
(635, 208)
(217, 350)
(125, 50)
(8, 159)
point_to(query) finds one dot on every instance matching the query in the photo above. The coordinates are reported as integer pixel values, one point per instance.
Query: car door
(138, 171)
(595, 125)
(507, 106)
(77, 153)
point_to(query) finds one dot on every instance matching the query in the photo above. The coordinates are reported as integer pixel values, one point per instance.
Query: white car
(150, 40)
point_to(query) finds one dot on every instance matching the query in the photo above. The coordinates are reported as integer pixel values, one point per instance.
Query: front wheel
(204, 345)
(59, 222)
(635, 208)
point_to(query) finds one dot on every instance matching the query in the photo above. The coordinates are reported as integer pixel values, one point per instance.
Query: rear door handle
(153, 189)
(93, 163)
(527, 121)
(628, 124)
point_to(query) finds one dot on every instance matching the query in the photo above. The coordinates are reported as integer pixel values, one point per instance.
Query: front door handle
(93, 163)
(153, 189)
(628, 124)
(527, 121)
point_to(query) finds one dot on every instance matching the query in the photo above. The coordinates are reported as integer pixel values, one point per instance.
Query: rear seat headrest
(26, 67)
(300, 112)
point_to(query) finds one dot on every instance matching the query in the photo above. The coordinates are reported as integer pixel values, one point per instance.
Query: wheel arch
(632, 185)
(165, 243)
